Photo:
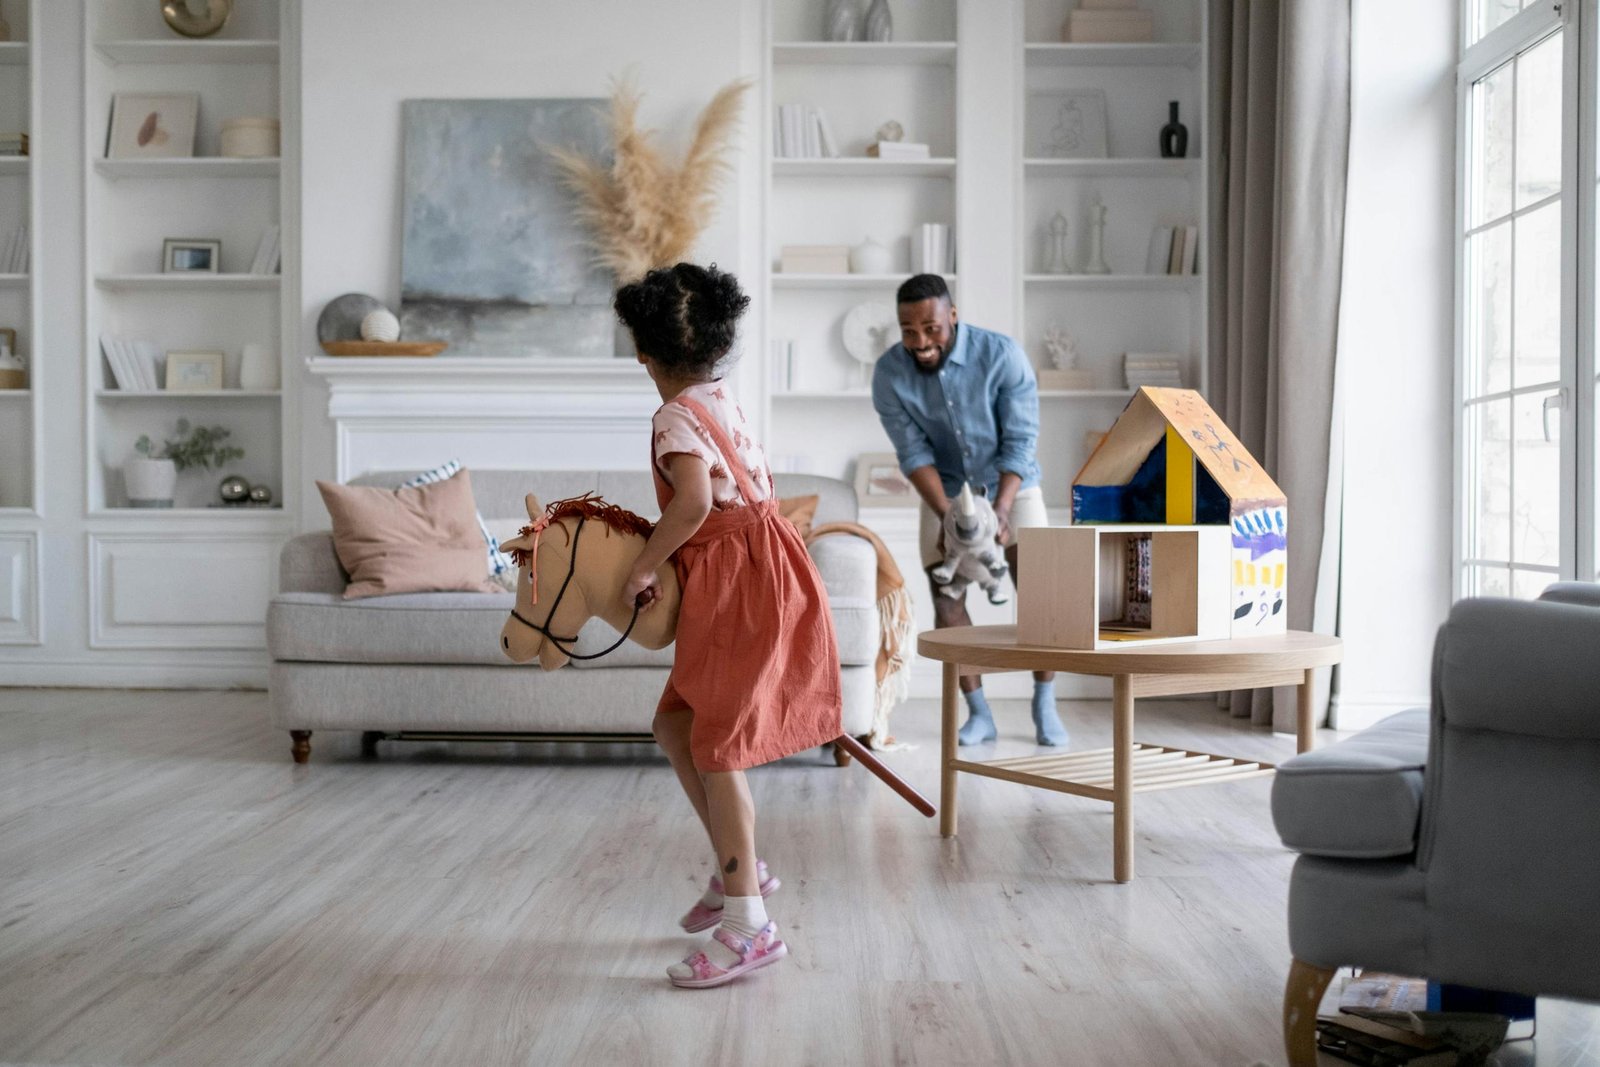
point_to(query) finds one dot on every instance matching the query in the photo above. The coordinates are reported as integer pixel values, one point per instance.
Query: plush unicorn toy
(970, 550)
(573, 559)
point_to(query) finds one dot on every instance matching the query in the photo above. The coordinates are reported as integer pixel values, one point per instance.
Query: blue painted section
(1211, 505)
(1142, 500)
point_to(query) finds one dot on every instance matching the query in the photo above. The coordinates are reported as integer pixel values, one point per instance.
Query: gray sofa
(1459, 843)
(429, 665)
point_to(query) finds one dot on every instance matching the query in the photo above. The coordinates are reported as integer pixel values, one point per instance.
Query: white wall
(1396, 352)
(359, 63)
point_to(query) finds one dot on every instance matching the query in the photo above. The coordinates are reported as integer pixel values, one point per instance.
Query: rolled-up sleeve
(1016, 410)
(911, 444)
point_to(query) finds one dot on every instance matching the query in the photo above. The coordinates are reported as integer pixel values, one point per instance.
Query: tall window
(1518, 328)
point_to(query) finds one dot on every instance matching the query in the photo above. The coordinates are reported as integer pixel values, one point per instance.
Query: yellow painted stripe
(1180, 480)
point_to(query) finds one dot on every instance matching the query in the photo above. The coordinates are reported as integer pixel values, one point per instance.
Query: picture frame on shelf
(152, 125)
(880, 483)
(1067, 124)
(8, 341)
(189, 372)
(191, 255)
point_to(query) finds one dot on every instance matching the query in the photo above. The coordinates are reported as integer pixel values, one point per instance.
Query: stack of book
(782, 365)
(13, 144)
(1158, 368)
(269, 252)
(802, 132)
(14, 252)
(1174, 250)
(814, 259)
(135, 365)
(1109, 22)
(897, 150)
(932, 251)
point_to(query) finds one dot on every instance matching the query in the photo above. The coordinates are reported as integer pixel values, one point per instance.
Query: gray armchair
(1459, 843)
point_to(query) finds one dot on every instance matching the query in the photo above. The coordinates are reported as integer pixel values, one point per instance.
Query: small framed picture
(191, 255)
(191, 371)
(879, 482)
(152, 125)
(8, 341)
(1067, 124)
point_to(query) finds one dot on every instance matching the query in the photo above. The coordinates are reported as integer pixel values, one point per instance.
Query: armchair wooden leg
(1301, 997)
(301, 746)
(841, 756)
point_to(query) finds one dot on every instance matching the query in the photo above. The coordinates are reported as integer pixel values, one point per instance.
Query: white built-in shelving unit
(132, 205)
(19, 408)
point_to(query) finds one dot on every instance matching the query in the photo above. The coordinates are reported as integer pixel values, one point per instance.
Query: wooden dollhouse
(1178, 534)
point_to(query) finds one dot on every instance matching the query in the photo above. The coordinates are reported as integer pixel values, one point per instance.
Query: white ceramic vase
(258, 368)
(150, 482)
(870, 257)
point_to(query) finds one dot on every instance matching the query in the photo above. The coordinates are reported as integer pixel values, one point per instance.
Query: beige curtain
(1282, 119)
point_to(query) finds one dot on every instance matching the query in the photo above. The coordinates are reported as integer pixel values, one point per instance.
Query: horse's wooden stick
(890, 779)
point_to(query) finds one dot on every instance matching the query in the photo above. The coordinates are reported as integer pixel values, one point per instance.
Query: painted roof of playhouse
(1143, 425)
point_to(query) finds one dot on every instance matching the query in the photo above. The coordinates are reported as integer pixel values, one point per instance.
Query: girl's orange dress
(756, 660)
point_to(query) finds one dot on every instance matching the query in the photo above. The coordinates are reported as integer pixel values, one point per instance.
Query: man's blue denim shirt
(977, 417)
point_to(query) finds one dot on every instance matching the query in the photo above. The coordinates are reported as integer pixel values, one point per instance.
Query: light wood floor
(174, 890)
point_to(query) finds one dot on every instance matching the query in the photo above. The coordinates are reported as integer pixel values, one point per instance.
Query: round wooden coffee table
(1115, 774)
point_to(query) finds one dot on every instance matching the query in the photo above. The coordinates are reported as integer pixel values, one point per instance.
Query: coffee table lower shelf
(1091, 773)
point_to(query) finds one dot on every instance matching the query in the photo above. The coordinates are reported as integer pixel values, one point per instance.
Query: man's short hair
(920, 287)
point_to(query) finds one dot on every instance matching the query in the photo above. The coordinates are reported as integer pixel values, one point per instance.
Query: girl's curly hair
(683, 316)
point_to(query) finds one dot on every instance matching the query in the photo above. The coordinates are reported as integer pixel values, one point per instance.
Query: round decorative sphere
(380, 325)
(234, 490)
(260, 494)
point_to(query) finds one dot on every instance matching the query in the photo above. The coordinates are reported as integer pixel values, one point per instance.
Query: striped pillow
(501, 570)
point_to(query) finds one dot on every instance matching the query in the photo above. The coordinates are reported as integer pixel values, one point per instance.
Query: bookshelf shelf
(1099, 282)
(180, 281)
(171, 52)
(14, 166)
(866, 53)
(1111, 168)
(14, 281)
(841, 281)
(204, 167)
(862, 167)
(1113, 55)
(13, 53)
(188, 394)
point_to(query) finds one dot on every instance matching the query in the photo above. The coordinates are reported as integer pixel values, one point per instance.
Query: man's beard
(944, 357)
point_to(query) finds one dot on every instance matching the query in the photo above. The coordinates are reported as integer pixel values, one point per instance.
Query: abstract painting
(493, 259)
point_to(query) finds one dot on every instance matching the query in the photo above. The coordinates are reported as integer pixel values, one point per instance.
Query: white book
(902, 150)
(151, 362)
(8, 254)
(260, 263)
(119, 374)
(793, 134)
(1191, 249)
(1160, 250)
(275, 254)
(785, 137)
(813, 135)
(830, 147)
(19, 254)
(1175, 257)
(130, 361)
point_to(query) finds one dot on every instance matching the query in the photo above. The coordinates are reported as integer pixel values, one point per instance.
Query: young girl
(756, 670)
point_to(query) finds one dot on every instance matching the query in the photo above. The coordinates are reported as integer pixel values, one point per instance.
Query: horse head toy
(557, 592)
(573, 559)
(971, 552)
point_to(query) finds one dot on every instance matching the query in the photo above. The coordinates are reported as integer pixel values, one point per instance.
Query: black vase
(1174, 135)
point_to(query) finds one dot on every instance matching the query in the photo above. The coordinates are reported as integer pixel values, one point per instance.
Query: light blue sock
(1047, 728)
(980, 720)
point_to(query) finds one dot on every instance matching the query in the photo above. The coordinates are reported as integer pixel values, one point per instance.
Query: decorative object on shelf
(1173, 250)
(1162, 369)
(380, 325)
(14, 142)
(194, 371)
(14, 252)
(867, 331)
(898, 150)
(879, 482)
(196, 18)
(341, 317)
(1064, 372)
(234, 490)
(1174, 135)
(136, 366)
(931, 252)
(13, 368)
(1097, 241)
(150, 479)
(152, 125)
(384, 348)
(191, 255)
(804, 133)
(842, 20)
(260, 495)
(1057, 259)
(1068, 124)
(880, 23)
(250, 137)
(641, 211)
(814, 259)
(269, 251)
(1108, 23)
(258, 367)
(870, 257)
(782, 365)
(890, 131)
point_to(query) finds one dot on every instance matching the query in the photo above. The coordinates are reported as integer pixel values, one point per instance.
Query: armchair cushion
(1359, 798)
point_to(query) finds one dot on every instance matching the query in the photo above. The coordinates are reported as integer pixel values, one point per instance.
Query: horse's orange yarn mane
(587, 506)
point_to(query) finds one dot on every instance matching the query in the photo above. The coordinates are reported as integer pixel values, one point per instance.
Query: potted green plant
(152, 475)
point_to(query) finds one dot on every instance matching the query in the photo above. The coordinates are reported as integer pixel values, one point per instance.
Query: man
(961, 405)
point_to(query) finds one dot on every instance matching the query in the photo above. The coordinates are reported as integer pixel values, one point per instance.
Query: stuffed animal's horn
(964, 504)
(534, 507)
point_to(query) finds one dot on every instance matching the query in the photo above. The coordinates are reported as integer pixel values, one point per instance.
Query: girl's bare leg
(672, 734)
(733, 831)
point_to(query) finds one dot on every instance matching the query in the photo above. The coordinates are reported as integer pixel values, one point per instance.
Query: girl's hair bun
(684, 316)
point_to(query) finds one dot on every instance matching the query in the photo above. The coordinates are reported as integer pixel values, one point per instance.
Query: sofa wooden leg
(841, 758)
(1302, 995)
(301, 748)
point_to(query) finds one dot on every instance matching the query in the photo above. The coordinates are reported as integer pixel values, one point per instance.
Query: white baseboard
(1348, 714)
(84, 675)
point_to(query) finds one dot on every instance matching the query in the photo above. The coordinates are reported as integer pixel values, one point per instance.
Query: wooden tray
(384, 348)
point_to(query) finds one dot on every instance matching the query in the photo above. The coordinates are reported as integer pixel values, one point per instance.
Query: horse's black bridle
(560, 642)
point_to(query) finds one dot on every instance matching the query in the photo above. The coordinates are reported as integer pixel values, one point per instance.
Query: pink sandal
(761, 950)
(701, 917)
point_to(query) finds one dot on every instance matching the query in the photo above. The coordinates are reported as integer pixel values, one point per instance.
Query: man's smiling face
(928, 330)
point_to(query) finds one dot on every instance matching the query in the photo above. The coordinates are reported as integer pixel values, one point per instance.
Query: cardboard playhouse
(1177, 535)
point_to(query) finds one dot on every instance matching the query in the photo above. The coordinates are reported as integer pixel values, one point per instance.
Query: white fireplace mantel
(393, 414)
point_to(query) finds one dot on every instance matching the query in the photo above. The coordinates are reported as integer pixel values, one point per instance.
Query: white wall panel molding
(161, 590)
(21, 598)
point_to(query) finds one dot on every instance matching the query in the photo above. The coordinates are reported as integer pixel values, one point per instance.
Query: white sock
(744, 916)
